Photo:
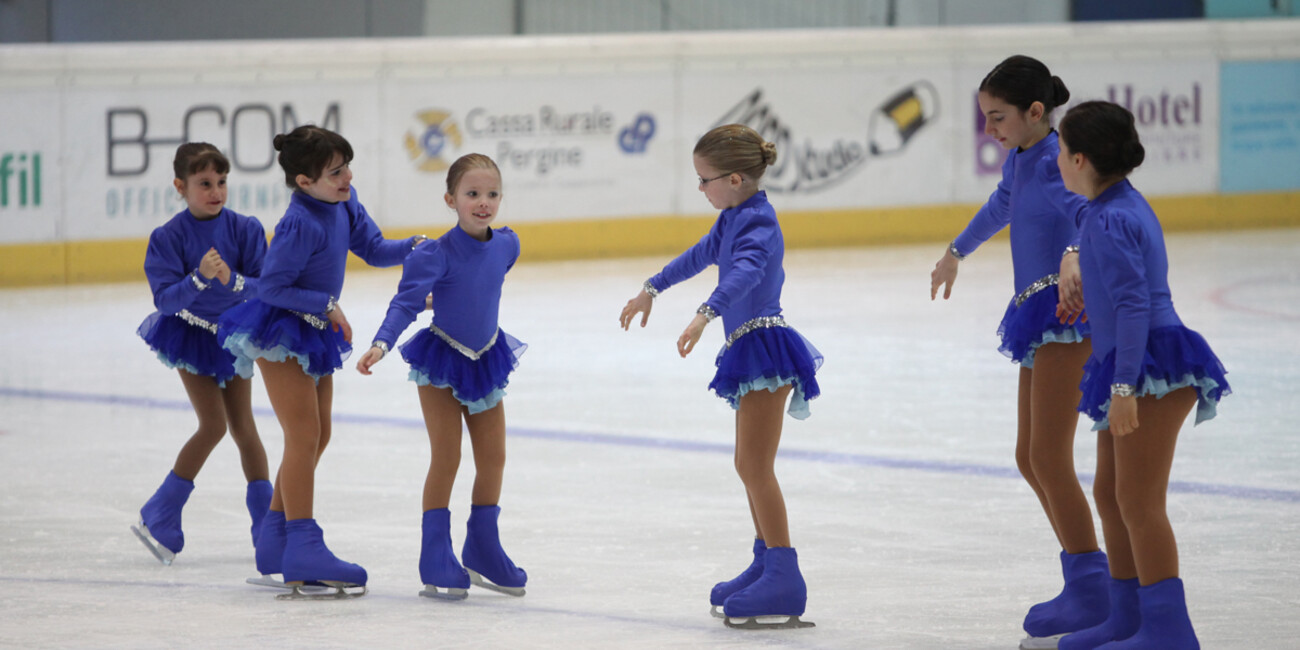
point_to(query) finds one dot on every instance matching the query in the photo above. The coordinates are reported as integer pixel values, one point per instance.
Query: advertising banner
(120, 170)
(1173, 103)
(846, 137)
(30, 198)
(568, 147)
(1260, 126)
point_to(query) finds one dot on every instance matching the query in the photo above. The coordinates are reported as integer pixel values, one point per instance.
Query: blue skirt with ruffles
(766, 359)
(479, 384)
(1175, 358)
(255, 330)
(188, 347)
(1034, 323)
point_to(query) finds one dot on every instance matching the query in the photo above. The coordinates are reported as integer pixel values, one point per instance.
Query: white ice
(913, 528)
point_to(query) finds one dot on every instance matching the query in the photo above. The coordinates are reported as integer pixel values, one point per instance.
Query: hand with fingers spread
(686, 342)
(944, 273)
(641, 304)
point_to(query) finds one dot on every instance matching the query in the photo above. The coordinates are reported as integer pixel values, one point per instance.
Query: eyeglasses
(705, 181)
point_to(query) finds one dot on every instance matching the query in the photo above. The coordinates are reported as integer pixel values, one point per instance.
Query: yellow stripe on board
(123, 260)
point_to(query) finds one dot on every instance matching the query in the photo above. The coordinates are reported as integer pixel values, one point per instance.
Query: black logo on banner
(250, 128)
(805, 167)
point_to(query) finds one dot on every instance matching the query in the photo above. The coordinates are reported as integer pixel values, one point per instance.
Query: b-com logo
(20, 180)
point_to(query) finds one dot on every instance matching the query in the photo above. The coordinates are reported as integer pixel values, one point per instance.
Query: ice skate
(258, 500)
(723, 590)
(1164, 622)
(487, 563)
(159, 528)
(775, 601)
(269, 553)
(1083, 603)
(309, 565)
(1122, 623)
(159, 551)
(444, 578)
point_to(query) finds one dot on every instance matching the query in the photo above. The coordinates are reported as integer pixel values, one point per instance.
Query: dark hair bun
(1134, 153)
(1060, 93)
(278, 142)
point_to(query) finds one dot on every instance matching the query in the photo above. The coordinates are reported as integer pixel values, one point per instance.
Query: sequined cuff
(707, 312)
(1122, 390)
(952, 250)
(329, 307)
(238, 285)
(383, 347)
(1070, 249)
(200, 284)
(650, 289)
(415, 241)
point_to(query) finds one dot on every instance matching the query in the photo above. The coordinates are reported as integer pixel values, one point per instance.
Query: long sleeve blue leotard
(465, 276)
(305, 263)
(1042, 214)
(746, 244)
(177, 247)
(1137, 337)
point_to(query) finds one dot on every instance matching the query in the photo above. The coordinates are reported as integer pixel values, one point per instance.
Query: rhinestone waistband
(460, 347)
(312, 319)
(762, 322)
(190, 318)
(1038, 285)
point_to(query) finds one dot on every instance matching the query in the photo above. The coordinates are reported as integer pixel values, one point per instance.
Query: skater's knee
(754, 472)
(1139, 510)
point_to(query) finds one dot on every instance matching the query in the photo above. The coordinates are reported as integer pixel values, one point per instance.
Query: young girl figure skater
(298, 335)
(1146, 372)
(763, 362)
(1017, 98)
(461, 364)
(203, 261)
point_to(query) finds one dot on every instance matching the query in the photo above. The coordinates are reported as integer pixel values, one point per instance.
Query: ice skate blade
(325, 590)
(267, 581)
(766, 622)
(1040, 642)
(444, 593)
(480, 581)
(159, 551)
(716, 611)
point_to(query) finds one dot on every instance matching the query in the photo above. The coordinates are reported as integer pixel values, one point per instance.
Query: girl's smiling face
(477, 198)
(204, 192)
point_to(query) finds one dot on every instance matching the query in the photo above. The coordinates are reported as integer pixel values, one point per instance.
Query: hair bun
(1134, 153)
(278, 142)
(1061, 93)
(769, 153)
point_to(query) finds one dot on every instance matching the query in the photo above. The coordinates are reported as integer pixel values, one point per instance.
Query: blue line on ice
(829, 457)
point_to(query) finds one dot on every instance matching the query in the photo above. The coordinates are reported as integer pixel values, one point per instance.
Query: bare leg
(1143, 460)
(1054, 398)
(296, 400)
(205, 396)
(753, 514)
(237, 398)
(487, 432)
(442, 415)
(758, 434)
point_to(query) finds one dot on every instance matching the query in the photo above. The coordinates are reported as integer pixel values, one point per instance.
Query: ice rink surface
(913, 528)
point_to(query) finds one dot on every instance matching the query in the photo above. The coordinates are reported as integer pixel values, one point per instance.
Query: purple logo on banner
(989, 155)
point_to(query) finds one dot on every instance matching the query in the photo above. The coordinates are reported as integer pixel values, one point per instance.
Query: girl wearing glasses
(763, 362)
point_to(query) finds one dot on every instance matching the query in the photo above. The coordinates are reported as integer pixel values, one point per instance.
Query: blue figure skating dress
(183, 332)
(1137, 337)
(762, 352)
(301, 278)
(1032, 199)
(463, 349)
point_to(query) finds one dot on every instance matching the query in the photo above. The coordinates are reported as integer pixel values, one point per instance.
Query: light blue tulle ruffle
(246, 352)
(476, 406)
(798, 408)
(1206, 409)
